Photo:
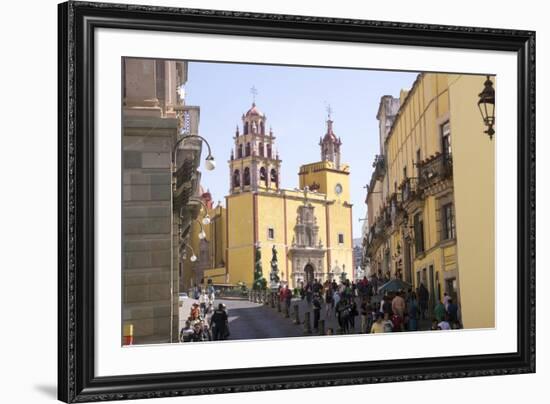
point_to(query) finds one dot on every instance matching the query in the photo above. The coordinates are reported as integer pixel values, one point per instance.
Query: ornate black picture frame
(77, 23)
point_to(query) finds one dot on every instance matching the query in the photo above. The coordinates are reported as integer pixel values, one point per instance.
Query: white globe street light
(210, 163)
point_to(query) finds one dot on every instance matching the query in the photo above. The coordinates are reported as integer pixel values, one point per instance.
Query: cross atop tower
(329, 111)
(254, 92)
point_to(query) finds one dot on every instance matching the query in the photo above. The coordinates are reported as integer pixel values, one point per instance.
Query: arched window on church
(274, 178)
(262, 128)
(263, 175)
(268, 150)
(246, 179)
(236, 179)
(247, 150)
(261, 149)
(246, 128)
(240, 151)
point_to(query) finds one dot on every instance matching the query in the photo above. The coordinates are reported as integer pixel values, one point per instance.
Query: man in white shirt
(203, 302)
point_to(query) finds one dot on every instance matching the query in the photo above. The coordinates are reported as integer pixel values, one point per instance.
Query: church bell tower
(330, 145)
(254, 163)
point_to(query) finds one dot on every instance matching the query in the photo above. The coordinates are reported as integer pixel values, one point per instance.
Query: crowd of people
(204, 322)
(345, 301)
(395, 311)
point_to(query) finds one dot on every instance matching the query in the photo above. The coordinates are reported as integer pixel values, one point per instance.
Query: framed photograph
(259, 201)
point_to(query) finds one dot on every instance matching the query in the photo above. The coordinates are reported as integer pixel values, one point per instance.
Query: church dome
(254, 111)
(330, 136)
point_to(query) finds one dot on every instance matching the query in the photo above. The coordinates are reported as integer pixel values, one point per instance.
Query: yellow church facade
(309, 226)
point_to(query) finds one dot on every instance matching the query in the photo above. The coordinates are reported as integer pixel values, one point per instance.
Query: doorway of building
(308, 270)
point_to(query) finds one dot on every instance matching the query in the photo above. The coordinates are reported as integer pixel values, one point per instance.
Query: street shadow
(260, 322)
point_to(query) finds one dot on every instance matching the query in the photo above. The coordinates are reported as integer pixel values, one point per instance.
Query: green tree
(274, 275)
(259, 280)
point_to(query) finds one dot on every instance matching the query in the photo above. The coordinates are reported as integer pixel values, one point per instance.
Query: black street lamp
(486, 105)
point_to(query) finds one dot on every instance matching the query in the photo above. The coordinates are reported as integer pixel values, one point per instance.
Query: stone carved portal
(307, 253)
(309, 273)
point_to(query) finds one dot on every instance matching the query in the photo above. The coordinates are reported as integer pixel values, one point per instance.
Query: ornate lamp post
(202, 233)
(193, 257)
(486, 105)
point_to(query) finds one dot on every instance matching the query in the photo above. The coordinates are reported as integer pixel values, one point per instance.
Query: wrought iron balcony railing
(379, 166)
(435, 169)
(409, 189)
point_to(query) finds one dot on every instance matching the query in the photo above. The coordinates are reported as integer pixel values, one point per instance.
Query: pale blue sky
(294, 100)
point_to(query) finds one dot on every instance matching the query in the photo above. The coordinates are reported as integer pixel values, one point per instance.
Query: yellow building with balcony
(309, 226)
(431, 196)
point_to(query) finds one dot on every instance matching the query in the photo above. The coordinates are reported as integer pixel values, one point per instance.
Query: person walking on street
(452, 311)
(353, 312)
(336, 299)
(439, 312)
(203, 302)
(302, 291)
(388, 325)
(206, 331)
(329, 301)
(397, 322)
(365, 310)
(378, 325)
(219, 323)
(287, 297)
(195, 313)
(398, 305)
(316, 311)
(423, 298)
(309, 293)
(386, 306)
(186, 332)
(446, 299)
(413, 313)
(198, 335)
(342, 314)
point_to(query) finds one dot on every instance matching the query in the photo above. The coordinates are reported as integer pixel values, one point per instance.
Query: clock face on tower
(338, 189)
